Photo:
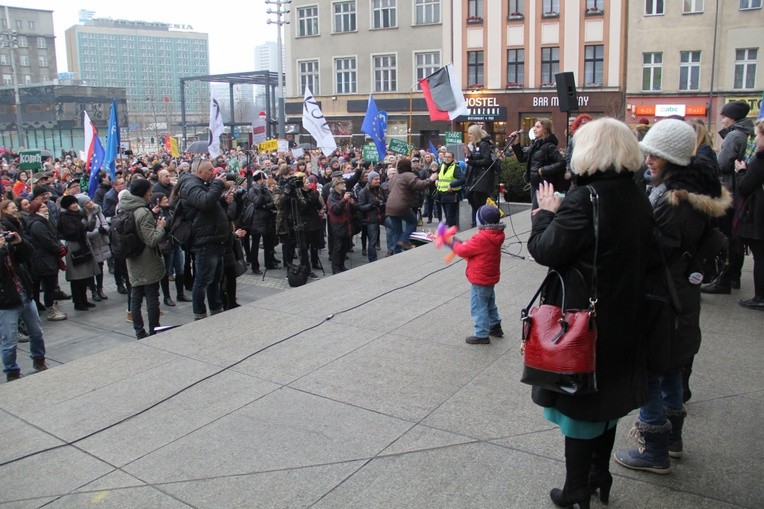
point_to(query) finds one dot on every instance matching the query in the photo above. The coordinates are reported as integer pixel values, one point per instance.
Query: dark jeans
(120, 271)
(340, 247)
(372, 231)
(49, 283)
(96, 281)
(208, 273)
(151, 293)
(313, 240)
(254, 250)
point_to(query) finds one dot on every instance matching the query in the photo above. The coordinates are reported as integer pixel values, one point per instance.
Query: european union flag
(112, 141)
(375, 125)
(95, 166)
(434, 152)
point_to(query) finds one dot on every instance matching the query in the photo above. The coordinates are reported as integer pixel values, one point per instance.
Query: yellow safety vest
(445, 177)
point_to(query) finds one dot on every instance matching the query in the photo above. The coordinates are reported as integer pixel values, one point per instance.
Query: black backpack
(125, 242)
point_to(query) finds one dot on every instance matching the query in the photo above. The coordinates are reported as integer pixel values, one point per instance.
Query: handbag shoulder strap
(596, 220)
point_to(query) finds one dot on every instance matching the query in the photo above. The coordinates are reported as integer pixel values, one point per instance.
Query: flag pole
(411, 110)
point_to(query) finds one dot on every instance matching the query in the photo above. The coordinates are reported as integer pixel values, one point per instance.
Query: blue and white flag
(112, 141)
(95, 165)
(375, 125)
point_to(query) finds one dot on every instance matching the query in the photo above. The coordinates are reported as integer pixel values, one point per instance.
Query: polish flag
(91, 133)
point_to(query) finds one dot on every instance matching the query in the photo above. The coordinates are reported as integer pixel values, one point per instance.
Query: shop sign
(697, 111)
(483, 109)
(666, 110)
(543, 101)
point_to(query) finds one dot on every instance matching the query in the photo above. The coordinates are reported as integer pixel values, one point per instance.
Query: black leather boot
(599, 476)
(578, 460)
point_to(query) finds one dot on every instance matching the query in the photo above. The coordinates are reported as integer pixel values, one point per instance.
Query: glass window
(7, 81)
(653, 7)
(42, 61)
(550, 65)
(595, 5)
(516, 8)
(27, 79)
(426, 63)
(4, 60)
(19, 23)
(307, 21)
(594, 65)
(346, 81)
(383, 14)
(309, 76)
(652, 69)
(750, 4)
(475, 8)
(745, 68)
(30, 24)
(692, 6)
(427, 12)
(515, 67)
(24, 60)
(344, 17)
(42, 43)
(689, 70)
(550, 7)
(475, 68)
(23, 42)
(385, 73)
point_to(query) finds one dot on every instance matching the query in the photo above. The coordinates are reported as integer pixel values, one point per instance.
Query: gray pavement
(355, 390)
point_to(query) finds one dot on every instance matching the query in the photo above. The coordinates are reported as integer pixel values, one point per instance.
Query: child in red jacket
(483, 255)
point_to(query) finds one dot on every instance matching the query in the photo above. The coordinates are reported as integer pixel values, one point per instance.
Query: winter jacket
(101, 193)
(99, 241)
(483, 254)
(751, 189)
(339, 211)
(47, 248)
(403, 194)
(371, 202)
(148, 267)
(203, 207)
(481, 170)
(735, 141)
(72, 229)
(565, 241)
(315, 205)
(542, 162)
(264, 209)
(110, 203)
(684, 205)
(15, 254)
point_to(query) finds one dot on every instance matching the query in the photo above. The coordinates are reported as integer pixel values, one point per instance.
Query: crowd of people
(665, 199)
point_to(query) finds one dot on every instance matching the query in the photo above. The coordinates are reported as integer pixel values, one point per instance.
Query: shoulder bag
(560, 344)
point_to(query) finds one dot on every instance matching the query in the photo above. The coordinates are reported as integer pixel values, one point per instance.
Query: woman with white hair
(481, 168)
(563, 238)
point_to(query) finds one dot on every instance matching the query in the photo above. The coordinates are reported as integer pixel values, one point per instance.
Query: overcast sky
(234, 27)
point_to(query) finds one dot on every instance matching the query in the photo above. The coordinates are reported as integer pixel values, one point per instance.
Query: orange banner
(695, 111)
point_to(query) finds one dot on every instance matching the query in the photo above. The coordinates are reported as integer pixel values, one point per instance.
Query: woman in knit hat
(72, 230)
(98, 235)
(686, 198)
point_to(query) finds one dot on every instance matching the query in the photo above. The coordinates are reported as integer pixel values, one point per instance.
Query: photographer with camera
(340, 206)
(16, 302)
(291, 206)
(260, 223)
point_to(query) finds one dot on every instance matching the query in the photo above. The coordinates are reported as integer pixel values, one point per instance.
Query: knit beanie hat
(82, 199)
(736, 110)
(672, 140)
(138, 187)
(67, 201)
(372, 175)
(39, 190)
(488, 214)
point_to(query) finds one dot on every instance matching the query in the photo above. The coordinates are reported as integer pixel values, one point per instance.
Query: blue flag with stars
(375, 125)
(112, 141)
(95, 166)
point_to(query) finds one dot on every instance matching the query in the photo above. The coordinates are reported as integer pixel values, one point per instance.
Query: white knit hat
(670, 139)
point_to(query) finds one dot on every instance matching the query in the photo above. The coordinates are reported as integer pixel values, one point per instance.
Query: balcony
(513, 85)
(550, 14)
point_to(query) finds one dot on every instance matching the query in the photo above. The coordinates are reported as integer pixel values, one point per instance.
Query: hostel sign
(483, 109)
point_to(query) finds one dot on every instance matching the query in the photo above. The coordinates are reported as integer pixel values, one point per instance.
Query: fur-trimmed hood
(698, 185)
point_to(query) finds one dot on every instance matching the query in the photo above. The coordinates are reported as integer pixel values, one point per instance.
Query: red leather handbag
(559, 344)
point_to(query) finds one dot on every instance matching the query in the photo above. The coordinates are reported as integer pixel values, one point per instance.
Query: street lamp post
(280, 21)
(11, 39)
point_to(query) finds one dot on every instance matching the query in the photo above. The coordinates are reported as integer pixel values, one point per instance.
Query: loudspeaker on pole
(566, 91)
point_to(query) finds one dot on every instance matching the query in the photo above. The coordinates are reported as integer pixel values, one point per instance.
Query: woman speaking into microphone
(543, 161)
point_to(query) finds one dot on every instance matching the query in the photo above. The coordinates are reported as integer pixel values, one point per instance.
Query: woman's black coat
(481, 170)
(47, 248)
(565, 241)
(542, 155)
(751, 188)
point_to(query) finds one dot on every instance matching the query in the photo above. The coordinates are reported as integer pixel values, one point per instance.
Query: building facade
(345, 50)
(689, 58)
(27, 37)
(147, 59)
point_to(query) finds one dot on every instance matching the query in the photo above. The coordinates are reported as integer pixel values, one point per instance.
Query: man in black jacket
(201, 198)
(16, 302)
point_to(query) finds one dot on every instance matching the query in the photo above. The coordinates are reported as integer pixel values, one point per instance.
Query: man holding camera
(201, 197)
(291, 206)
(16, 302)
(340, 223)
